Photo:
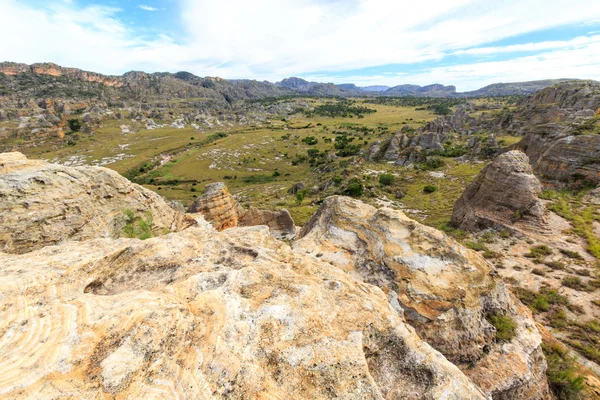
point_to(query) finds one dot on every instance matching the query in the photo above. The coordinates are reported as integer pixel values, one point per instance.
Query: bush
(477, 246)
(430, 189)
(386, 179)
(74, 125)
(564, 382)
(310, 140)
(432, 163)
(354, 189)
(505, 327)
(540, 251)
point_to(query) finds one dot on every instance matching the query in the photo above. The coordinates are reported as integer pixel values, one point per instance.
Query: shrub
(571, 254)
(564, 382)
(74, 125)
(505, 327)
(574, 282)
(137, 227)
(432, 163)
(354, 189)
(430, 189)
(540, 251)
(386, 179)
(477, 246)
(310, 140)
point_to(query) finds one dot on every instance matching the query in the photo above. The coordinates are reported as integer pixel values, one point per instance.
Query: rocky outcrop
(220, 209)
(217, 206)
(444, 290)
(280, 223)
(404, 149)
(504, 194)
(42, 204)
(561, 133)
(200, 314)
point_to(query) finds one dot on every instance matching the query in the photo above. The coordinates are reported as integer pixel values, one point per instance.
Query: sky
(466, 43)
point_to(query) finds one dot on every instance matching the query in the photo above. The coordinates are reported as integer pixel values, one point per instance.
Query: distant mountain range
(51, 80)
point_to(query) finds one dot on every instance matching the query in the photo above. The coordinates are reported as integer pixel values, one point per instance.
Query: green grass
(505, 327)
(137, 227)
(564, 382)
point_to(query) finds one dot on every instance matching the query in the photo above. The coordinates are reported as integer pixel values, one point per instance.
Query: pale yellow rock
(444, 290)
(43, 204)
(200, 314)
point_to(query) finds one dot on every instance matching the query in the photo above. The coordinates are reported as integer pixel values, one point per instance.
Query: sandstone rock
(200, 314)
(217, 206)
(444, 290)
(397, 143)
(43, 204)
(560, 133)
(220, 209)
(504, 194)
(280, 223)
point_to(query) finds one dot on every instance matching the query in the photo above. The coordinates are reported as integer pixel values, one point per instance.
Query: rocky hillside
(365, 304)
(51, 80)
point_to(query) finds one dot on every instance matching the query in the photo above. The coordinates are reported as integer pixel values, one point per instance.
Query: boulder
(42, 204)
(445, 291)
(280, 223)
(220, 209)
(503, 195)
(201, 314)
(217, 206)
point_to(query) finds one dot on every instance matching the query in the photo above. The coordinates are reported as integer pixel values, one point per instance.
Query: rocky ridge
(43, 204)
(238, 314)
(443, 290)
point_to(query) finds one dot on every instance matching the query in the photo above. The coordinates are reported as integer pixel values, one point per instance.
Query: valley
(445, 202)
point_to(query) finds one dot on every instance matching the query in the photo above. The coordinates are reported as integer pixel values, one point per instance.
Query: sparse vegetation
(137, 227)
(505, 327)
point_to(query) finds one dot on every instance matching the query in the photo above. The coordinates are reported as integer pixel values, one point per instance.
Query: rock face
(220, 209)
(200, 314)
(42, 204)
(444, 290)
(561, 133)
(217, 206)
(503, 194)
(280, 223)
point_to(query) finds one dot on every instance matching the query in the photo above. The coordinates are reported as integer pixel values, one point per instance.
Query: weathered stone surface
(560, 128)
(200, 314)
(280, 223)
(43, 204)
(444, 290)
(220, 209)
(217, 206)
(505, 193)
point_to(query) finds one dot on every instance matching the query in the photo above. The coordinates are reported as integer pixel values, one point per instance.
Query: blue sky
(467, 43)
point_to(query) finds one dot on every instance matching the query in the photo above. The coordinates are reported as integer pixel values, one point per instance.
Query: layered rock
(504, 194)
(220, 209)
(217, 206)
(561, 133)
(444, 290)
(280, 223)
(42, 204)
(200, 314)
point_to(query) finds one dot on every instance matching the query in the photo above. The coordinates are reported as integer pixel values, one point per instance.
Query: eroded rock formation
(444, 290)
(217, 206)
(206, 315)
(504, 193)
(368, 304)
(42, 204)
(220, 209)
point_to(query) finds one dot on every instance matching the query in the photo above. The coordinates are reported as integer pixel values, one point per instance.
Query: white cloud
(539, 46)
(147, 8)
(272, 39)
